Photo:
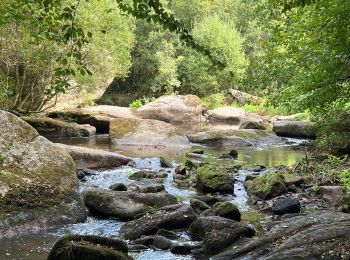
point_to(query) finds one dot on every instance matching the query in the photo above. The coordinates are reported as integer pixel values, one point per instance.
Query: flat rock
(319, 235)
(124, 204)
(94, 158)
(285, 205)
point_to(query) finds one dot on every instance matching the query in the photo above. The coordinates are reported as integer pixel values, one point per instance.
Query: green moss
(121, 127)
(345, 202)
(256, 219)
(267, 186)
(213, 179)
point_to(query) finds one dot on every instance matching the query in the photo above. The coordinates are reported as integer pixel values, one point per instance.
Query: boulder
(124, 204)
(233, 138)
(185, 247)
(161, 242)
(227, 210)
(294, 117)
(213, 179)
(90, 248)
(169, 217)
(244, 98)
(166, 162)
(146, 186)
(168, 234)
(145, 132)
(320, 235)
(198, 205)
(332, 194)
(55, 128)
(217, 233)
(302, 129)
(94, 158)
(285, 205)
(267, 186)
(118, 187)
(38, 182)
(174, 110)
(145, 174)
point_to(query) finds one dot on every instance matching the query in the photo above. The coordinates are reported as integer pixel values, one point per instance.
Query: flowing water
(36, 246)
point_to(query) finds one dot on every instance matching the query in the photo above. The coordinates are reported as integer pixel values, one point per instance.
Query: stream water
(36, 246)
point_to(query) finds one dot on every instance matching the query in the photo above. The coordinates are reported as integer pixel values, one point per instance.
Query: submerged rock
(169, 217)
(124, 204)
(217, 233)
(321, 235)
(90, 248)
(213, 179)
(302, 129)
(94, 158)
(38, 182)
(286, 205)
(267, 186)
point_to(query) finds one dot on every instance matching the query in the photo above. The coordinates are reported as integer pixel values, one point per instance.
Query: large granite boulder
(302, 129)
(244, 98)
(169, 217)
(176, 110)
(38, 183)
(145, 132)
(320, 235)
(97, 116)
(94, 158)
(124, 204)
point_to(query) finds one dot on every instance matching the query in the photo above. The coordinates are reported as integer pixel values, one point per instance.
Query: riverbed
(36, 246)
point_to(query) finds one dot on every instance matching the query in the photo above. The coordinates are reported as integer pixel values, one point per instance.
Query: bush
(136, 104)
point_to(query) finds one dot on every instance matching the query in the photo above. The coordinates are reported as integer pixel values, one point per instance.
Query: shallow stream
(36, 246)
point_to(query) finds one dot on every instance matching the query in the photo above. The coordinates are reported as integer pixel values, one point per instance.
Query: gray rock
(217, 233)
(167, 233)
(118, 187)
(124, 204)
(302, 129)
(162, 243)
(319, 235)
(227, 210)
(198, 205)
(285, 205)
(169, 217)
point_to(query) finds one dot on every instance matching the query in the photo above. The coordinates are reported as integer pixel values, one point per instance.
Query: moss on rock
(213, 179)
(227, 210)
(267, 186)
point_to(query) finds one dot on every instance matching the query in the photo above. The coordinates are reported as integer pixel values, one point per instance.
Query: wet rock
(227, 210)
(212, 179)
(38, 183)
(301, 129)
(253, 123)
(185, 248)
(124, 204)
(94, 158)
(250, 177)
(196, 156)
(162, 243)
(81, 173)
(217, 233)
(55, 128)
(181, 170)
(167, 233)
(147, 175)
(118, 187)
(286, 205)
(146, 186)
(169, 217)
(333, 194)
(145, 132)
(209, 199)
(145, 240)
(267, 186)
(198, 205)
(137, 248)
(89, 248)
(198, 151)
(321, 235)
(226, 157)
(166, 162)
(233, 153)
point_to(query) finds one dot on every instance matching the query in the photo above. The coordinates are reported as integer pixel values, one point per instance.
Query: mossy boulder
(267, 186)
(145, 132)
(38, 182)
(226, 209)
(55, 128)
(72, 247)
(213, 179)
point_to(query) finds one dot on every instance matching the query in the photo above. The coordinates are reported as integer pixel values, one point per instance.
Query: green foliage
(136, 104)
(214, 101)
(345, 178)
